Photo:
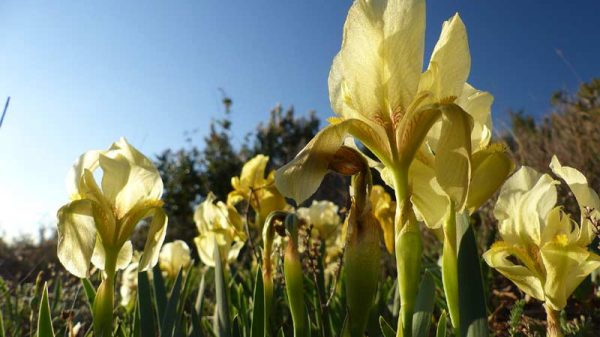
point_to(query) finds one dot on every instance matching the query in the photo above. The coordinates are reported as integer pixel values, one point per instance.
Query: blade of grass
(147, 310)
(44, 327)
(473, 314)
(258, 308)
(222, 325)
(170, 312)
(441, 327)
(424, 306)
(90, 292)
(160, 292)
(386, 329)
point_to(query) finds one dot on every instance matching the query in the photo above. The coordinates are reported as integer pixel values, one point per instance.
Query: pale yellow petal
(156, 236)
(524, 202)
(586, 197)
(566, 267)
(128, 177)
(205, 243)
(123, 258)
(174, 256)
(490, 168)
(450, 61)
(87, 161)
(381, 57)
(478, 104)
(253, 172)
(526, 279)
(301, 177)
(430, 202)
(453, 155)
(76, 237)
(384, 210)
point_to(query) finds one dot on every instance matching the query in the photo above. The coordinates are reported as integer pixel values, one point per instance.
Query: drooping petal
(450, 62)
(156, 236)
(253, 172)
(490, 168)
(204, 242)
(525, 278)
(453, 155)
(76, 237)
(380, 59)
(586, 197)
(566, 267)
(301, 177)
(129, 177)
(429, 200)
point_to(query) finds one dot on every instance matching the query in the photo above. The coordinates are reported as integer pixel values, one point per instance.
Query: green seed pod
(361, 269)
(292, 269)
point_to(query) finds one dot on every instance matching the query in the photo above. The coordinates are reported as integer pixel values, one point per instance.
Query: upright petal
(377, 69)
(523, 205)
(453, 155)
(586, 197)
(478, 104)
(129, 177)
(76, 237)
(87, 161)
(450, 62)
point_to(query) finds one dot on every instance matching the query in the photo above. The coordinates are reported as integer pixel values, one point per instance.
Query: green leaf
(258, 308)
(222, 325)
(200, 297)
(196, 324)
(386, 329)
(147, 312)
(424, 306)
(44, 328)
(237, 327)
(1, 325)
(473, 314)
(160, 291)
(90, 292)
(441, 327)
(170, 312)
(56, 293)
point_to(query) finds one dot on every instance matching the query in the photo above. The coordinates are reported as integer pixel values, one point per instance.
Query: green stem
(450, 269)
(294, 276)
(409, 250)
(104, 302)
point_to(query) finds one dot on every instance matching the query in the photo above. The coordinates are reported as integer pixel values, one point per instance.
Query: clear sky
(81, 73)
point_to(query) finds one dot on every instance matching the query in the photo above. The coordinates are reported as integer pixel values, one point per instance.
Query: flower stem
(553, 321)
(409, 249)
(450, 269)
(104, 302)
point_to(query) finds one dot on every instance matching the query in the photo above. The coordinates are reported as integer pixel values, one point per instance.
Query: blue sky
(82, 74)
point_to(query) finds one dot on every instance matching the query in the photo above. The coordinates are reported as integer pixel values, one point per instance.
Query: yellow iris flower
(543, 251)
(383, 99)
(218, 224)
(174, 256)
(323, 215)
(96, 225)
(384, 210)
(256, 189)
